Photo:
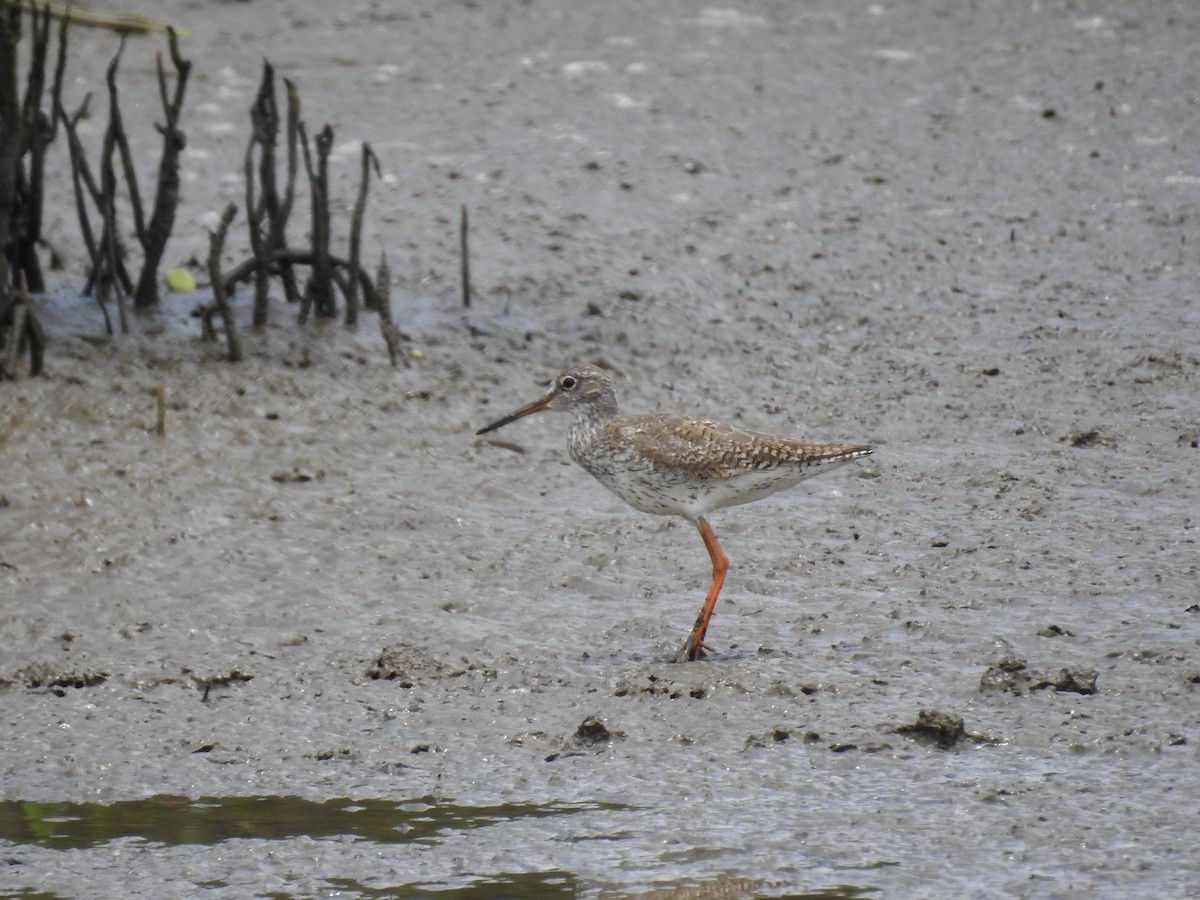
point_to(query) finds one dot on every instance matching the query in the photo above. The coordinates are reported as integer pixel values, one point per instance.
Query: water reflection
(174, 820)
(179, 820)
(532, 885)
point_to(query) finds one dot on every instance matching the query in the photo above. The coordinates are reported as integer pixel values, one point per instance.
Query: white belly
(676, 492)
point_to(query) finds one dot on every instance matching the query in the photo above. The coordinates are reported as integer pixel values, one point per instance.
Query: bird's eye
(568, 382)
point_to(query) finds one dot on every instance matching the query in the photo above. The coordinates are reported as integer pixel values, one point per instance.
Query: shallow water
(825, 221)
(174, 820)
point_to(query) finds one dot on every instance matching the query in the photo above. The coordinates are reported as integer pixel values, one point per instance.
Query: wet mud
(967, 666)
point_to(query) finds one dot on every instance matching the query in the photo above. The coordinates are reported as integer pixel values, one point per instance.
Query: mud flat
(318, 637)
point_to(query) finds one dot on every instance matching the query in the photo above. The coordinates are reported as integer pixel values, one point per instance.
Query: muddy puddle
(210, 820)
(319, 640)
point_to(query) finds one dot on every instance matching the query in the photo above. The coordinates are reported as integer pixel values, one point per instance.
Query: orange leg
(694, 648)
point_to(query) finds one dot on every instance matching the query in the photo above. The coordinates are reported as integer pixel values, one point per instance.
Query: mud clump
(1074, 681)
(776, 735)
(1013, 675)
(944, 730)
(207, 682)
(658, 687)
(46, 675)
(592, 734)
(404, 665)
(592, 731)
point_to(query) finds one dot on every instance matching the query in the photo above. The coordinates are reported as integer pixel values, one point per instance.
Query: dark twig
(111, 274)
(113, 250)
(216, 245)
(60, 69)
(112, 259)
(16, 332)
(255, 208)
(294, 131)
(15, 316)
(25, 133)
(24, 329)
(116, 134)
(278, 225)
(264, 125)
(37, 132)
(383, 289)
(155, 234)
(243, 271)
(392, 336)
(35, 334)
(268, 210)
(306, 295)
(369, 160)
(321, 288)
(322, 232)
(81, 177)
(11, 134)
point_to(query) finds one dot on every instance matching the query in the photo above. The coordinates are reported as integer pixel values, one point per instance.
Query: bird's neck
(589, 419)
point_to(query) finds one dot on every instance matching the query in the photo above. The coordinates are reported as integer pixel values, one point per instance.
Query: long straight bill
(536, 406)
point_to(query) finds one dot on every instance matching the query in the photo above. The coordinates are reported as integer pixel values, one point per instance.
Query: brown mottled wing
(713, 450)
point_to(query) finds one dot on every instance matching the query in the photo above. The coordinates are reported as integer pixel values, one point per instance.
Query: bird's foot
(693, 648)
